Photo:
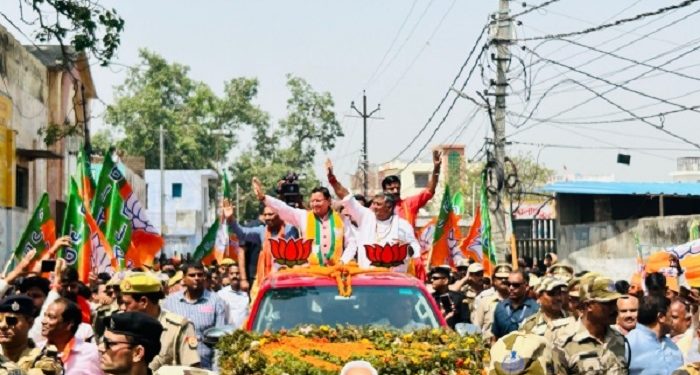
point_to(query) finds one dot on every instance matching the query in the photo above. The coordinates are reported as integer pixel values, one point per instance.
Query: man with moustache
(627, 307)
(237, 301)
(589, 345)
(16, 317)
(130, 342)
(200, 306)
(549, 317)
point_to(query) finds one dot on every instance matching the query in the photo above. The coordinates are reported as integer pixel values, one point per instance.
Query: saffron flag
(471, 244)
(207, 250)
(40, 234)
(688, 254)
(446, 233)
(86, 187)
(487, 247)
(89, 250)
(123, 219)
(231, 247)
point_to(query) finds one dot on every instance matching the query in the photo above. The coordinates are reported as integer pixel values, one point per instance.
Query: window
(420, 180)
(177, 190)
(22, 187)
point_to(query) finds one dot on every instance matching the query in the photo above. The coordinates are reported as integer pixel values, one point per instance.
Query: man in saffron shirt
(408, 208)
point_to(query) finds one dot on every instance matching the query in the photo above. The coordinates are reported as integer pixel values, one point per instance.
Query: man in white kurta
(378, 225)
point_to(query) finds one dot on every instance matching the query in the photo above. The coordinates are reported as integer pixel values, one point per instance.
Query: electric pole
(501, 39)
(365, 162)
(162, 184)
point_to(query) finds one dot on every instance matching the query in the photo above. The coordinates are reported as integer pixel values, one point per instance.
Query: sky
(406, 53)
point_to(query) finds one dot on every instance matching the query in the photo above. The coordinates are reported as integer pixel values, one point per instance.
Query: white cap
(358, 365)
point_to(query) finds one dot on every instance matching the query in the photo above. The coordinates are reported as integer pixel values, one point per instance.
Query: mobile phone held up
(48, 265)
(446, 303)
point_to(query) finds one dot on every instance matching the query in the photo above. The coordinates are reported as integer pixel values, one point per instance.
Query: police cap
(18, 304)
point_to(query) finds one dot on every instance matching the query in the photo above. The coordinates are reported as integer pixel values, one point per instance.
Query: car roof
(293, 279)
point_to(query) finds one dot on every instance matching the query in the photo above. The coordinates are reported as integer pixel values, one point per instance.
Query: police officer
(106, 310)
(485, 303)
(142, 292)
(589, 345)
(551, 313)
(16, 318)
(133, 331)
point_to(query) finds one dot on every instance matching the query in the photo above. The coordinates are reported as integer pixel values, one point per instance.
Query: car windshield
(404, 308)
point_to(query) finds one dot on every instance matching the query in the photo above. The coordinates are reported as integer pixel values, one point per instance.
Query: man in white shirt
(376, 225)
(236, 300)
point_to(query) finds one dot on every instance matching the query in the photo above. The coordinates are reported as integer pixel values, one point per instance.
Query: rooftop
(624, 188)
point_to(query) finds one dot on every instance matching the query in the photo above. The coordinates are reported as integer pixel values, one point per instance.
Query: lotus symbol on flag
(388, 255)
(291, 252)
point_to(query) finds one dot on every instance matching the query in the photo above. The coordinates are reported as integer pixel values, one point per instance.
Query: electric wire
(446, 95)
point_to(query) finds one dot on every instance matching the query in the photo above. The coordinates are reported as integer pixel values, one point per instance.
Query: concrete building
(415, 176)
(41, 94)
(597, 222)
(687, 169)
(188, 209)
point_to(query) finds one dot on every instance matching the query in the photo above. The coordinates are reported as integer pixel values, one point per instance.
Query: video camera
(288, 190)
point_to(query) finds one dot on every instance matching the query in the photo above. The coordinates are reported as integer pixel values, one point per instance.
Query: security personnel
(562, 270)
(485, 303)
(130, 343)
(552, 313)
(103, 312)
(589, 345)
(520, 353)
(142, 292)
(16, 318)
(688, 369)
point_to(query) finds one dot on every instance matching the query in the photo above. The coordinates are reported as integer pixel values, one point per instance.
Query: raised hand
(437, 158)
(228, 210)
(60, 242)
(329, 167)
(258, 190)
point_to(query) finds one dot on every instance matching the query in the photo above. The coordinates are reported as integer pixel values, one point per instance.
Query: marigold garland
(323, 350)
(342, 273)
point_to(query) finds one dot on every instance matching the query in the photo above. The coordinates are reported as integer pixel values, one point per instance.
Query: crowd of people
(542, 319)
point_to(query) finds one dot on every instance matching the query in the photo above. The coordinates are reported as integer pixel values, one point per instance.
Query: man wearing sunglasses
(549, 318)
(16, 317)
(451, 303)
(511, 312)
(130, 342)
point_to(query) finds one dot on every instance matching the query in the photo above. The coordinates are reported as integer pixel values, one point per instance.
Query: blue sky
(338, 45)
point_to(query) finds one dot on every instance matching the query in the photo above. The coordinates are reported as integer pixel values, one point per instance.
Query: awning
(31, 155)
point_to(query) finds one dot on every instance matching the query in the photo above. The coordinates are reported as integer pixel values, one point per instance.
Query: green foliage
(198, 125)
(85, 24)
(323, 350)
(309, 125)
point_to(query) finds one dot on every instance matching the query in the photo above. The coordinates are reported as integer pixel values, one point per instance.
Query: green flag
(228, 192)
(117, 227)
(458, 203)
(79, 254)
(487, 247)
(40, 233)
(206, 251)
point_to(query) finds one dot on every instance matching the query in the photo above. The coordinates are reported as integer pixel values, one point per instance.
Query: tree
(309, 125)
(84, 24)
(198, 125)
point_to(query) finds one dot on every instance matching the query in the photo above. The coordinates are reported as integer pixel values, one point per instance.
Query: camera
(288, 190)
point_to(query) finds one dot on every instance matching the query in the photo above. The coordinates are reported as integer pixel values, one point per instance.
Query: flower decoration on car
(388, 255)
(290, 252)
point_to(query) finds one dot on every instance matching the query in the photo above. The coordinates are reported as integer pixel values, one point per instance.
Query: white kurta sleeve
(290, 215)
(357, 212)
(350, 241)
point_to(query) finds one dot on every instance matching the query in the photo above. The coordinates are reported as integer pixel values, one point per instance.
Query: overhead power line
(447, 93)
(544, 4)
(619, 22)
(583, 147)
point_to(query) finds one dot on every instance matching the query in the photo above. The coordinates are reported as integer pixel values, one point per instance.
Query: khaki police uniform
(689, 369)
(178, 339)
(576, 351)
(178, 342)
(519, 353)
(538, 323)
(41, 362)
(9, 368)
(485, 306)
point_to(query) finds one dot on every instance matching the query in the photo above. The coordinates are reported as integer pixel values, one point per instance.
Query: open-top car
(376, 298)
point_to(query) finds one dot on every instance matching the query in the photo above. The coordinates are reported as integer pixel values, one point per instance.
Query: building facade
(43, 92)
(188, 208)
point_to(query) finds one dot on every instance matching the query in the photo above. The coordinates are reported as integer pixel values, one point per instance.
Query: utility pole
(365, 161)
(162, 183)
(501, 39)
